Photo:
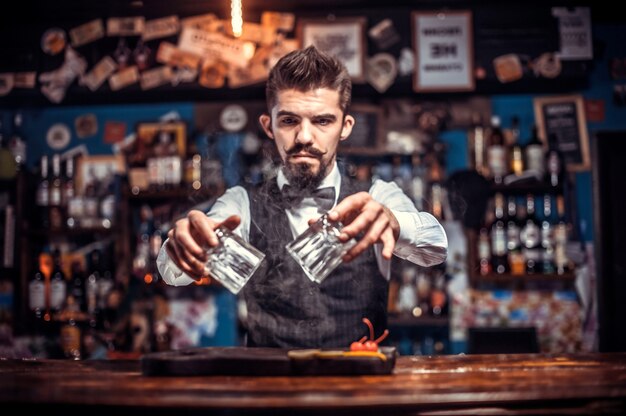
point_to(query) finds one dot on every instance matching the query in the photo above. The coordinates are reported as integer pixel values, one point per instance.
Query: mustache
(309, 149)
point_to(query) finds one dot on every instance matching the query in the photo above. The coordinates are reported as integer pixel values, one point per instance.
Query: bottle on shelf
(37, 293)
(517, 264)
(496, 151)
(68, 191)
(530, 236)
(42, 194)
(484, 252)
(534, 155)
(70, 335)
(91, 287)
(561, 261)
(477, 144)
(554, 162)
(547, 237)
(17, 143)
(56, 194)
(499, 255)
(58, 284)
(77, 286)
(516, 156)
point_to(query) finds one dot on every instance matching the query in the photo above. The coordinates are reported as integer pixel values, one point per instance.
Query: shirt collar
(332, 179)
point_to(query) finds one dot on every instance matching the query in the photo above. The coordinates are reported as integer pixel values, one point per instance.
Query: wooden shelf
(407, 320)
(525, 278)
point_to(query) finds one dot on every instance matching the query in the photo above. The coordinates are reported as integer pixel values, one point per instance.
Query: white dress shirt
(422, 239)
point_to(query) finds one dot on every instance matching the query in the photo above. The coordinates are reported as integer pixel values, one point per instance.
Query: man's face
(307, 127)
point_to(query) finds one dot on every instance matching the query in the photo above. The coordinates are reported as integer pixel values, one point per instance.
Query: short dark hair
(308, 69)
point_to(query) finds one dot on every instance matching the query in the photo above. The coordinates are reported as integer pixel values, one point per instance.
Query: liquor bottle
(17, 143)
(534, 154)
(516, 157)
(58, 284)
(477, 145)
(105, 284)
(531, 237)
(77, 286)
(68, 191)
(438, 295)
(193, 172)
(56, 192)
(561, 261)
(72, 204)
(70, 335)
(496, 151)
(517, 265)
(547, 237)
(554, 162)
(42, 195)
(499, 258)
(91, 287)
(37, 294)
(484, 252)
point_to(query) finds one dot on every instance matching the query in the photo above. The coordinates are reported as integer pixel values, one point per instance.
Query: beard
(302, 175)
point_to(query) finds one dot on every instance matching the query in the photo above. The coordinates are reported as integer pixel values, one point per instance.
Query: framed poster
(444, 52)
(564, 117)
(367, 133)
(343, 38)
(97, 169)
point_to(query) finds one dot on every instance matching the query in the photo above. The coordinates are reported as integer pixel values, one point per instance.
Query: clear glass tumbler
(233, 261)
(318, 250)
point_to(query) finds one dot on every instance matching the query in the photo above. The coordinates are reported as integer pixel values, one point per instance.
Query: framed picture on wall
(367, 133)
(343, 38)
(98, 169)
(444, 51)
(564, 118)
(157, 139)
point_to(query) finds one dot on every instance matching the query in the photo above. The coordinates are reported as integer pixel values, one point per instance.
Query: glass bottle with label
(534, 155)
(56, 192)
(517, 264)
(499, 258)
(42, 195)
(77, 286)
(478, 145)
(531, 237)
(17, 143)
(561, 261)
(37, 294)
(484, 252)
(554, 162)
(496, 151)
(516, 157)
(547, 237)
(58, 284)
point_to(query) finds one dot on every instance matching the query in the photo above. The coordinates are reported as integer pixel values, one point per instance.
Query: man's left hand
(362, 215)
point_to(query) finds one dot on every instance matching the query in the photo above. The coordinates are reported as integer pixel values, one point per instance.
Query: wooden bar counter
(435, 385)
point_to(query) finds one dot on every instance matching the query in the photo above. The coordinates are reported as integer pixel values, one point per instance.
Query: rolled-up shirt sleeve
(422, 239)
(234, 202)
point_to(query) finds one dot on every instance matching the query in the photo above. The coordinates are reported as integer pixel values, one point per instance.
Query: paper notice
(156, 77)
(99, 73)
(86, 33)
(170, 55)
(124, 78)
(160, 28)
(125, 26)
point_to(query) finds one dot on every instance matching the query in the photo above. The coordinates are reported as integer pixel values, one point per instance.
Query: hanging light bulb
(235, 17)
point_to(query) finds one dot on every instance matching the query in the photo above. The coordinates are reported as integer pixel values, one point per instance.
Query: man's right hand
(189, 239)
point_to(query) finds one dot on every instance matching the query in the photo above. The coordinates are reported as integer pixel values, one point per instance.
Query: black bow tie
(324, 197)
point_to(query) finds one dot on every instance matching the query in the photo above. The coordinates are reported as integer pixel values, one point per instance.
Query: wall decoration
(443, 44)
(564, 117)
(97, 169)
(343, 38)
(367, 133)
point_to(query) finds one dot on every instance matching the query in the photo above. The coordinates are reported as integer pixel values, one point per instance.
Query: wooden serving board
(204, 361)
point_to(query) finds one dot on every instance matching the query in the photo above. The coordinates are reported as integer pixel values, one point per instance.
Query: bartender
(308, 95)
